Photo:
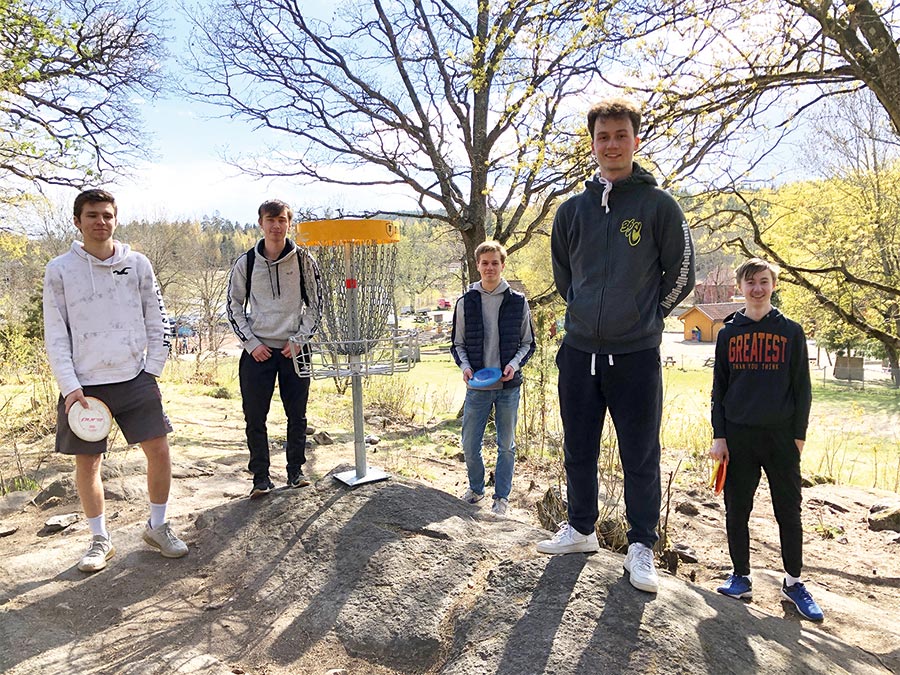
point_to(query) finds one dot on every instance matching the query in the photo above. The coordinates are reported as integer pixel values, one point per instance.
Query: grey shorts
(136, 405)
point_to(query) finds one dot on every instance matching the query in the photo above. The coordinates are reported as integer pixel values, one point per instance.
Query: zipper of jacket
(605, 223)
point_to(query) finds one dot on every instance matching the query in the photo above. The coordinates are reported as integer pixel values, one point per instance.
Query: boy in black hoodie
(760, 410)
(622, 259)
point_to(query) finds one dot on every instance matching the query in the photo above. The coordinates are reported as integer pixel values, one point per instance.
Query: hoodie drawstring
(594, 362)
(607, 188)
(275, 284)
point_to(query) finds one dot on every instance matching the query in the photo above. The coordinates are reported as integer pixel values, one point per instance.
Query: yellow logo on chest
(632, 230)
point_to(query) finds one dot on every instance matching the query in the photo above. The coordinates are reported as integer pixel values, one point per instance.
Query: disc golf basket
(357, 259)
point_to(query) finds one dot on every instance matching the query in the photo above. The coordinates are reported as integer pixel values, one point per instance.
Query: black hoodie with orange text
(761, 374)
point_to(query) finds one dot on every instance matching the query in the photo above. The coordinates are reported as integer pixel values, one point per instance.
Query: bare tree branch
(68, 73)
(473, 107)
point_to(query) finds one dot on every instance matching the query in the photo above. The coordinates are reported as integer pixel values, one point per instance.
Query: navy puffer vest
(509, 325)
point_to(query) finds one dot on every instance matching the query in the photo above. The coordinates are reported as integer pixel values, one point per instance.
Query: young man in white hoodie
(105, 334)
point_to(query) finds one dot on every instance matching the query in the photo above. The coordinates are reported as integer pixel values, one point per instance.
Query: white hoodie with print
(104, 320)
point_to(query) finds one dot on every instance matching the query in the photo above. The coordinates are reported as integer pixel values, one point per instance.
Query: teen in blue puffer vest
(491, 329)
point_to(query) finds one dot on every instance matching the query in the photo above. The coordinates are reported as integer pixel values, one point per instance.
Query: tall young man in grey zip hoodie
(284, 301)
(491, 329)
(622, 259)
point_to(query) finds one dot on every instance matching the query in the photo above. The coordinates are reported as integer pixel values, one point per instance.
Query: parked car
(443, 303)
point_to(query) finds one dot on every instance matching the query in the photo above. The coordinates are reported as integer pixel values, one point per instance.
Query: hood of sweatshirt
(499, 290)
(740, 319)
(639, 176)
(120, 252)
(272, 266)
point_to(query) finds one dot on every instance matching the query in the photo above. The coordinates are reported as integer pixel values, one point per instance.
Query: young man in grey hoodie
(105, 332)
(491, 329)
(622, 259)
(279, 299)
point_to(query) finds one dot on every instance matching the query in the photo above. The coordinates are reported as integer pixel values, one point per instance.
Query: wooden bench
(710, 362)
(670, 361)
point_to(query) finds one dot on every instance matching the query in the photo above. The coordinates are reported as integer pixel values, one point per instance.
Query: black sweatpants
(631, 388)
(257, 387)
(773, 450)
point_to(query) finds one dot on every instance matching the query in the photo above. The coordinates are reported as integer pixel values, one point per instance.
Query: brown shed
(707, 319)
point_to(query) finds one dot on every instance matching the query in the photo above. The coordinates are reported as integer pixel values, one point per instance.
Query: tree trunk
(894, 363)
(472, 238)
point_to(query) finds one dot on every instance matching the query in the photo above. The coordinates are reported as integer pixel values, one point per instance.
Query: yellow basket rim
(347, 231)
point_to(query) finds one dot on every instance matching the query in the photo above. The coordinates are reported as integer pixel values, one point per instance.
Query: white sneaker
(472, 497)
(165, 540)
(641, 568)
(500, 506)
(94, 559)
(569, 540)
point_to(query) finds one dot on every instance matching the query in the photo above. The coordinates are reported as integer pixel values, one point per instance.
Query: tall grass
(853, 436)
(27, 414)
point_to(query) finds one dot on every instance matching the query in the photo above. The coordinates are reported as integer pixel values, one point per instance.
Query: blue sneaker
(802, 600)
(737, 586)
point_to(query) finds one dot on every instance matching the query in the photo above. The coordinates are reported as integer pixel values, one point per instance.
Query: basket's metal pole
(355, 378)
(362, 473)
(359, 438)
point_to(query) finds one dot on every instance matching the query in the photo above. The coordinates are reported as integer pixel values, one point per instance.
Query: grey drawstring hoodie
(276, 310)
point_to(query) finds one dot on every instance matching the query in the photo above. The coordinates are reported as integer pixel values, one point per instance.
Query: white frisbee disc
(92, 423)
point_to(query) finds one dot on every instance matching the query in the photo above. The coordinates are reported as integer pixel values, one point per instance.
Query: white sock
(157, 514)
(789, 580)
(97, 525)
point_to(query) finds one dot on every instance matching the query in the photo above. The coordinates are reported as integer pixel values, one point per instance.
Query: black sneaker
(261, 487)
(297, 480)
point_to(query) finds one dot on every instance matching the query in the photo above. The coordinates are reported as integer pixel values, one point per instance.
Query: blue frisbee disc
(485, 377)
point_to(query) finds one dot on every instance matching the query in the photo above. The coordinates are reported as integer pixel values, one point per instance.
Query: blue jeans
(475, 417)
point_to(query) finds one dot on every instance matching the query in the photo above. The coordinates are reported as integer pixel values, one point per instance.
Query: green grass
(429, 393)
(853, 437)
(836, 397)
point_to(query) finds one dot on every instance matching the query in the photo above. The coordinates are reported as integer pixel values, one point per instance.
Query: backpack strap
(251, 258)
(303, 294)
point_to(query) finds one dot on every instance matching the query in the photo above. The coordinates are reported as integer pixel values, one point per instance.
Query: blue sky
(187, 178)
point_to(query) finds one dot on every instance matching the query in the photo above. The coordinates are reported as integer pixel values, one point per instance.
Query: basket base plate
(373, 474)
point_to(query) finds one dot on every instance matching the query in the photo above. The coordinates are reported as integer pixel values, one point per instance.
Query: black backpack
(251, 260)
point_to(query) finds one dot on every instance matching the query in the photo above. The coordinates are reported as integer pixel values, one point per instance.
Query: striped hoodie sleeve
(676, 254)
(235, 296)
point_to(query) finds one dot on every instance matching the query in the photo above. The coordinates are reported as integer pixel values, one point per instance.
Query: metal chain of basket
(351, 327)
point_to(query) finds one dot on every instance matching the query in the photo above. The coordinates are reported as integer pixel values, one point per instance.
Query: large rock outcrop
(391, 577)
